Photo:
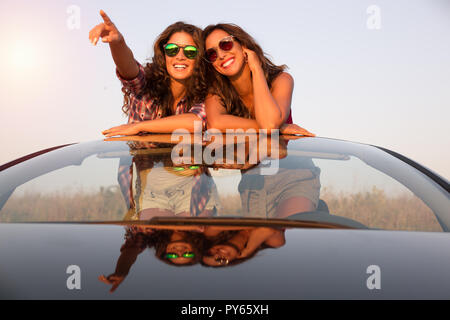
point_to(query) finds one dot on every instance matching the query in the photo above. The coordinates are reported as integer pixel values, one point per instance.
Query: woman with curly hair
(248, 90)
(174, 245)
(170, 90)
(165, 95)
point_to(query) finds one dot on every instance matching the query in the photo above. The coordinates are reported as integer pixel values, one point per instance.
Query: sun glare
(23, 56)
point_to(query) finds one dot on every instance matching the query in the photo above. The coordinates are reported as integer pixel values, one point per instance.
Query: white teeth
(226, 64)
(180, 66)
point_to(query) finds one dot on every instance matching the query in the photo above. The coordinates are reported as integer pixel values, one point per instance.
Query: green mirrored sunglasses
(171, 255)
(172, 49)
(182, 168)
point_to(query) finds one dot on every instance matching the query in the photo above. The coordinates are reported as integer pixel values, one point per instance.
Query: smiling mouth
(180, 66)
(227, 63)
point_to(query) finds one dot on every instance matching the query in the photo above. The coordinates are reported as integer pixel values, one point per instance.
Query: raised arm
(272, 106)
(128, 255)
(122, 55)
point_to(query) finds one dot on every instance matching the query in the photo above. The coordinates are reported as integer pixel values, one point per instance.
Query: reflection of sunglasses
(171, 255)
(226, 44)
(172, 49)
(182, 168)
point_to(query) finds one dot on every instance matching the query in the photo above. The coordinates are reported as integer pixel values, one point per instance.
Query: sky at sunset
(376, 72)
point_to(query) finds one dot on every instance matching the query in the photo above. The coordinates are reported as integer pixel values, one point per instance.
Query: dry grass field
(373, 208)
(105, 205)
(377, 210)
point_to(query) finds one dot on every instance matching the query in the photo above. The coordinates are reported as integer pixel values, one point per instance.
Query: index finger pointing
(103, 279)
(105, 17)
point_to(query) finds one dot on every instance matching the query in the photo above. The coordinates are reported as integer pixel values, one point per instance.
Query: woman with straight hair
(247, 89)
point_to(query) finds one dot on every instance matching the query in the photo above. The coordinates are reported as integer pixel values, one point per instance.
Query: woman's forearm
(124, 59)
(267, 112)
(169, 124)
(122, 55)
(227, 121)
(126, 260)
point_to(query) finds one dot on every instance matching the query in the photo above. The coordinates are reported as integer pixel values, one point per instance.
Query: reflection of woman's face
(179, 247)
(229, 63)
(180, 67)
(220, 255)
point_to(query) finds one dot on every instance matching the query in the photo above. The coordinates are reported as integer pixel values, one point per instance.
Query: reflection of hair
(158, 80)
(222, 86)
(136, 235)
(195, 239)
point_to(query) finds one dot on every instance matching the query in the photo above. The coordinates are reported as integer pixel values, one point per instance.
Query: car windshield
(137, 179)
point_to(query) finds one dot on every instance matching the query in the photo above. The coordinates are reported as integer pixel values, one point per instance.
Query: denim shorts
(261, 194)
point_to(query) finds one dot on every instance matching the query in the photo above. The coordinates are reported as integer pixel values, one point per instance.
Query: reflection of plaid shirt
(124, 177)
(142, 107)
(199, 194)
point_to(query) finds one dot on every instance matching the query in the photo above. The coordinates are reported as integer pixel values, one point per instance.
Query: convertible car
(251, 217)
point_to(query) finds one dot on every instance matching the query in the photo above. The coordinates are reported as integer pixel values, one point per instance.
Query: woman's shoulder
(283, 81)
(283, 77)
(213, 98)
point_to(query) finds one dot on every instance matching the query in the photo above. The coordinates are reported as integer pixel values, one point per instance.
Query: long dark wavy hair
(158, 80)
(221, 86)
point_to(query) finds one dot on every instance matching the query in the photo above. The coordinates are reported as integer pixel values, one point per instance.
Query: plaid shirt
(143, 107)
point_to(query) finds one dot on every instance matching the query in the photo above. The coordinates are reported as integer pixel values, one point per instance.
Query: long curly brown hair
(221, 86)
(158, 80)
